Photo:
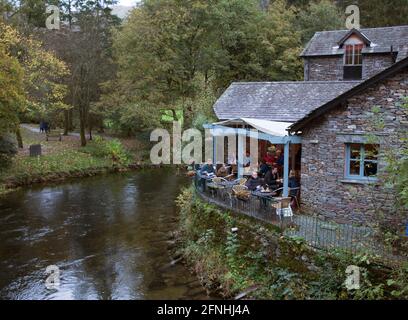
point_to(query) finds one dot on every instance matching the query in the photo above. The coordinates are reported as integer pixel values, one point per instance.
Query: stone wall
(324, 190)
(375, 63)
(324, 68)
(330, 68)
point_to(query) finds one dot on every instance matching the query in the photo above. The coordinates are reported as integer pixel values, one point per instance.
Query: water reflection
(106, 234)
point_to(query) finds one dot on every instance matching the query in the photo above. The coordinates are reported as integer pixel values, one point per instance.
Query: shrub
(111, 149)
(7, 151)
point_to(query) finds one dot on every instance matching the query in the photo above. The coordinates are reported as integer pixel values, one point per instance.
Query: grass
(66, 157)
(61, 162)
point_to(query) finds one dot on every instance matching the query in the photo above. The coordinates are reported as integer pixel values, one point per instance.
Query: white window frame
(354, 55)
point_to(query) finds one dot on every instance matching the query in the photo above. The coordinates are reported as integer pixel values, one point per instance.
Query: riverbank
(236, 256)
(62, 160)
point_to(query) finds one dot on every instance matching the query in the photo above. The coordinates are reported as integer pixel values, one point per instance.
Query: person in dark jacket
(208, 168)
(293, 184)
(271, 178)
(222, 171)
(253, 182)
(263, 168)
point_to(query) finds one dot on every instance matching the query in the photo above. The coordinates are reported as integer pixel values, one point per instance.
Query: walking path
(34, 129)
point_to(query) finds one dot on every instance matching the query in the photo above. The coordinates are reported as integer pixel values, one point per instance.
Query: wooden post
(286, 170)
(214, 145)
(240, 164)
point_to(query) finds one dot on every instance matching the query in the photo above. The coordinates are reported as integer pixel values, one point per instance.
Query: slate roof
(326, 42)
(277, 101)
(329, 105)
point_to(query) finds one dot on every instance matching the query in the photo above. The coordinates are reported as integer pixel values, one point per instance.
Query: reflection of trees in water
(102, 231)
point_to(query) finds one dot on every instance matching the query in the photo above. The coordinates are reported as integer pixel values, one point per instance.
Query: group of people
(267, 176)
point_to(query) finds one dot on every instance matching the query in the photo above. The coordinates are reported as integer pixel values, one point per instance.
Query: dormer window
(353, 43)
(353, 60)
(353, 55)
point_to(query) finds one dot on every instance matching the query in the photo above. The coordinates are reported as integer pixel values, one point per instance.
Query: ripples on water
(106, 234)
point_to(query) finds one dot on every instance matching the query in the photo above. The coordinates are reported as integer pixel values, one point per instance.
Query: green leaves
(12, 91)
(170, 52)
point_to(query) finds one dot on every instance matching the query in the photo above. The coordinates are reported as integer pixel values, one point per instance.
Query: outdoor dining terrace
(232, 196)
(262, 204)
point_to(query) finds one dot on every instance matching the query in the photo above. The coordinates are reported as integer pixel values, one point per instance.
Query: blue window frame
(361, 161)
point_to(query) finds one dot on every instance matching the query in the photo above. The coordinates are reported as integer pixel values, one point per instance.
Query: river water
(108, 235)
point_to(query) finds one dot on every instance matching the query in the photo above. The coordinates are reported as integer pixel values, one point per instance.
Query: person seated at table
(208, 168)
(247, 160)
(294, 186)
(253, 182)
(222, 171)
(272, 177)
(263, 168)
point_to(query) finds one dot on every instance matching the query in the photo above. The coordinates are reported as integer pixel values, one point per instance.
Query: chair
(216, 184)
(283, 208)
(241, 181)
(295, 197)
(241, 192)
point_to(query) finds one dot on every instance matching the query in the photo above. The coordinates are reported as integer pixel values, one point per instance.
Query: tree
(161, 48)
(168, 51)
(379, 13)
(319, 16)
(42, 72)
(90, 57)
(12, 91)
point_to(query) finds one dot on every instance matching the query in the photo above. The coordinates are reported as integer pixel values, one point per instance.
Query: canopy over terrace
(272, 131)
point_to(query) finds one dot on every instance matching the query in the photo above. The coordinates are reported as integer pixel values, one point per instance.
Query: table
(227, 184)
(264, 197)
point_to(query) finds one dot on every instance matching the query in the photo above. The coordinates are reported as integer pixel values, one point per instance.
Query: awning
(274, 128)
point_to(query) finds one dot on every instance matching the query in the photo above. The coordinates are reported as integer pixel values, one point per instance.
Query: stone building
(344, 143)
(353, 55)
(348, 113)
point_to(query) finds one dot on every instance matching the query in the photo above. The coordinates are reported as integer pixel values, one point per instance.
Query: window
(361, 161)
(353, 62)
(353, 55)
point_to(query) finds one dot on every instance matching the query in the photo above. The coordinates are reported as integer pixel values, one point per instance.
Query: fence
(317, 233)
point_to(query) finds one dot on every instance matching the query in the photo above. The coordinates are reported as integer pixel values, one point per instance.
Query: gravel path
(35, 129)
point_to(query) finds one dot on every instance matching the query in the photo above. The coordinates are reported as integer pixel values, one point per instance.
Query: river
(108, 235)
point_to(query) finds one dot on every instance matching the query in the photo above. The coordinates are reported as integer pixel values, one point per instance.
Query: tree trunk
(66, 122)
(82, 125)
(90, 133)
(174, 112)
(19, 138)
(71, 116)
